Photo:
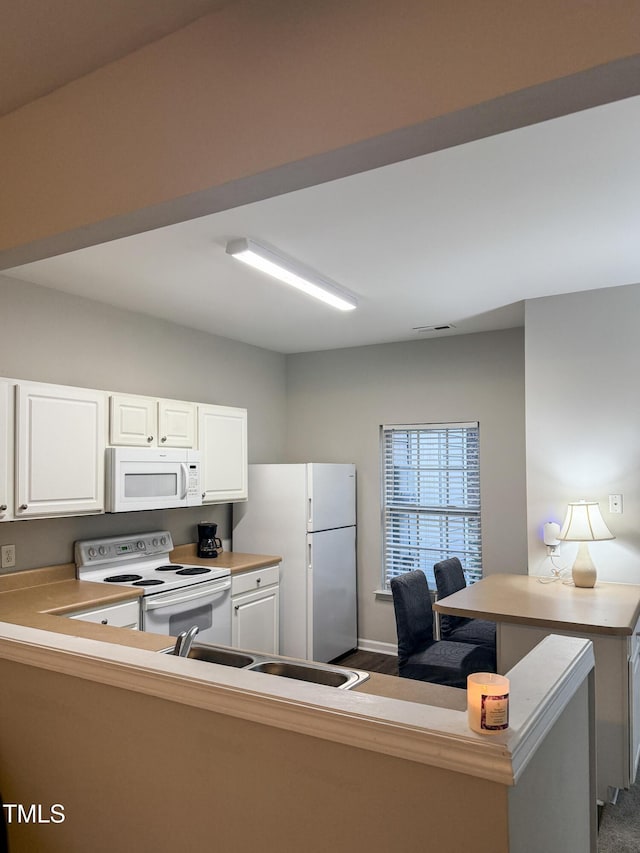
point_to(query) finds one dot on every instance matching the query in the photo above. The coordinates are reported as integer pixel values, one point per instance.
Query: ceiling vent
(441, 327)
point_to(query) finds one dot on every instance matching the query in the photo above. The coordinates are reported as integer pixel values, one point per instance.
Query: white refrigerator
(306, 513)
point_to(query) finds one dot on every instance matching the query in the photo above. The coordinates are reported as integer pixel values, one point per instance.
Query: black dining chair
(478, 632)
(420, 655)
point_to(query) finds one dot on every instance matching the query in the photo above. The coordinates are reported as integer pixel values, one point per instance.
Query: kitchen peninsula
(97, 721)
(527, 609)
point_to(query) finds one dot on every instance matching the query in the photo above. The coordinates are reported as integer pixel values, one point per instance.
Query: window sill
(383, 594)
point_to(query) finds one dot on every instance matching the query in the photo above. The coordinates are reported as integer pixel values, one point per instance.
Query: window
(430, 498)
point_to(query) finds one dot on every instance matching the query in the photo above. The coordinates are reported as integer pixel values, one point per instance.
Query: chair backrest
(449, 579)
(414, 617)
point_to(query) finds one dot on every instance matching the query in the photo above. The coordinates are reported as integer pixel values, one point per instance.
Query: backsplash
(49, 541)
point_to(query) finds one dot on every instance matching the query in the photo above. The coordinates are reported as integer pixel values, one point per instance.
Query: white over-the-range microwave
(151, 478)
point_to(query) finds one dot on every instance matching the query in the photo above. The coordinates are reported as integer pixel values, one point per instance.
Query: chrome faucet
(184, 642)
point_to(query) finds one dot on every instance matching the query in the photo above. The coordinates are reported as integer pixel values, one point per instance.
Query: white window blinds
(430, 498)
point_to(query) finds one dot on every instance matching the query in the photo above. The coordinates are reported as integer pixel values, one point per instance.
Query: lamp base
(583, 571)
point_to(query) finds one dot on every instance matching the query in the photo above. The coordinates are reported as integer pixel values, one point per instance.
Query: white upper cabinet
(149, 422)
(222, 436)
(133, 421)
(60, 441)
(6, 450)
(53, 440)
(176, 423)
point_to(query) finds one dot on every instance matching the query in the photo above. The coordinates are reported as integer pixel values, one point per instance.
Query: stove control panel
(95, 552)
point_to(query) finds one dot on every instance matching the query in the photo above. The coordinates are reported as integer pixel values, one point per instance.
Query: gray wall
(324, 406)
(48, 336)
(583, 420)
(337, 400)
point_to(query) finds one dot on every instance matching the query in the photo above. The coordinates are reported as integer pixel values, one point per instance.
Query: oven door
(207, 605)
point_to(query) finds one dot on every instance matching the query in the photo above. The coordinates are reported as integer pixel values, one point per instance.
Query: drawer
(257, 579)
(123, 615)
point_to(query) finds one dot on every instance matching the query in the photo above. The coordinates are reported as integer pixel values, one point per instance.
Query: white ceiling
(460, 236)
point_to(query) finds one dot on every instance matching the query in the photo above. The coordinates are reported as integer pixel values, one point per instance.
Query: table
(527, 608)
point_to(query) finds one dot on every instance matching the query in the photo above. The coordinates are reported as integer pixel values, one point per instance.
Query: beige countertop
(608, 608)
(41, 598)
(235, 561)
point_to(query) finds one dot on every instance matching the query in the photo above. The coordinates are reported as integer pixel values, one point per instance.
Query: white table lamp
(583, 524)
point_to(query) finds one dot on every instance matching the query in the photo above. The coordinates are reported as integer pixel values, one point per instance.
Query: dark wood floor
(371, 661)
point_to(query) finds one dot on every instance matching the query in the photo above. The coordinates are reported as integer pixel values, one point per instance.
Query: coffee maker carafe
(208, 543)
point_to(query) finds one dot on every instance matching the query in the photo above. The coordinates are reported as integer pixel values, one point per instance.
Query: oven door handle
(156, 601)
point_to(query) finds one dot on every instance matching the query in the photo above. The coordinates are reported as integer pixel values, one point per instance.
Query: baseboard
(377, 646)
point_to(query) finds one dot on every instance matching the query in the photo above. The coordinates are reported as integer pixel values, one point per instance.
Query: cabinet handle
(105, 622)
(237, 607)
(258, 580)
(3, 507)
(203, 495)
(164, 438)
(24, 506)
(149, 438)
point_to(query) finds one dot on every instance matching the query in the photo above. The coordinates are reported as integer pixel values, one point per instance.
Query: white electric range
(176, 596)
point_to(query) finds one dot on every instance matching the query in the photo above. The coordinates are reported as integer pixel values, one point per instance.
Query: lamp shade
(584, 523)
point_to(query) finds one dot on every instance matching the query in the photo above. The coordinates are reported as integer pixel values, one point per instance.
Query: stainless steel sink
(316, 673)
(227, 657)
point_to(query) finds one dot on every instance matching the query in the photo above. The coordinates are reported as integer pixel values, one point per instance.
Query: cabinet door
(133, 421)
(6, 448)
(255, 622)
(60, 444)
(634, 709)
(125, 615)
(222, 438)
(176, 423)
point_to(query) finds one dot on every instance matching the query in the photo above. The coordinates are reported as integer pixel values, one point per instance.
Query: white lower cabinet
(255, 615)
(124, 615)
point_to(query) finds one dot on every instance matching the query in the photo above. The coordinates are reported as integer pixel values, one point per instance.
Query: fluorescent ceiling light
(291, 272)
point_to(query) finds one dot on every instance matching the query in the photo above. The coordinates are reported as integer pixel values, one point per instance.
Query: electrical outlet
(8, 556)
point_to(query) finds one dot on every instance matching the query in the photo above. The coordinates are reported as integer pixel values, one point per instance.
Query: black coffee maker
(208, 543)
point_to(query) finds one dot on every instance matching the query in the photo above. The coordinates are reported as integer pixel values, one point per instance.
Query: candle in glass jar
(488, 702)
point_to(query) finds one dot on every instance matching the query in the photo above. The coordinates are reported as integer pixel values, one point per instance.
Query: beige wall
(337, 400)
(139, 773)
(328, 89)
(583, 421)
(180, 117)
(277, 768)
(48, 336)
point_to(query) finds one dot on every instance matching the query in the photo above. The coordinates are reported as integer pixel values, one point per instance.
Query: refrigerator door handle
(310, 516)
(309, 564)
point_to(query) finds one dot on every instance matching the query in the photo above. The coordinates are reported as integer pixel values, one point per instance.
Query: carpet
(620, 824)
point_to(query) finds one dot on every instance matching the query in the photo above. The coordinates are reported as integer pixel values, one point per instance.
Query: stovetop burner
(143, 561)
(194, 570)
(123, 578)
